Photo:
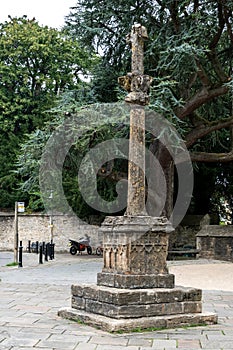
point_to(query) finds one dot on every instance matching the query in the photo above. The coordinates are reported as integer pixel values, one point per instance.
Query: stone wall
(185, 233)
(216, 242)
(36, 227)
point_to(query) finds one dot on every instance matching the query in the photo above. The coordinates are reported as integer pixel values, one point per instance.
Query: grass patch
(78, 321)
(155, 329)
(140, 330)
(12, 264)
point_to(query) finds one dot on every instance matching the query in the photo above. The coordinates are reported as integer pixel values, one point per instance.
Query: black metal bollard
(37, 247)
(52, 245)
(50, 251)
(41, 255)
(48, 245)
(43, 247)
(20, 263)
(29, 246)
(46, 252)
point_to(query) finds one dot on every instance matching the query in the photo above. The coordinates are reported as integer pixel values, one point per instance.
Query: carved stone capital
(138, 86)
(137, 32)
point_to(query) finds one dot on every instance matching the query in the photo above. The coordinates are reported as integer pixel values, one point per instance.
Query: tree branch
(227, 15)
(101, 24)
(196, 5)
(212, 56)
(174, 15)
(211, 157)
(202, 96)
(114, 176)
(221, 23)
(202, 74)
(205, 129)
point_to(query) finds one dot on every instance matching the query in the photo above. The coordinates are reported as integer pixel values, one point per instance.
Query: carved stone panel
(135, 245)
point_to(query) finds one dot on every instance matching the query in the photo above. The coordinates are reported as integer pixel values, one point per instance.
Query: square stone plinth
(114, 309)
(124, 281)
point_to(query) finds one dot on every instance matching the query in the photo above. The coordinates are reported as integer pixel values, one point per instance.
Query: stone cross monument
(137, 84)
(135, 289)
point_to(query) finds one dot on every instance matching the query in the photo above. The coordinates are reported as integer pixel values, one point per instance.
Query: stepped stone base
(135, 288)
(113, 309)
(127, 303)
(114, 325)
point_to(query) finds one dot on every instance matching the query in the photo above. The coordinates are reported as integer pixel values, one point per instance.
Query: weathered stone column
(136, 168)
(137, 84)
(135, 245)
(136, 171)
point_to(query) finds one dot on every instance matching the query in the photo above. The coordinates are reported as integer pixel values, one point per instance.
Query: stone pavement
(31, 296)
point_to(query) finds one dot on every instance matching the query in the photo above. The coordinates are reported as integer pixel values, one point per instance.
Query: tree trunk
(160, 182)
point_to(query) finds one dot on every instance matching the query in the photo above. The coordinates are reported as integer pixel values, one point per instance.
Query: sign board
(21, 208)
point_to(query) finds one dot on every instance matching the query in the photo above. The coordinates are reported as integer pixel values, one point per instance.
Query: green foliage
(222, 198)
(81, 124)
(188, 43)
(189, 54)
(36, 65)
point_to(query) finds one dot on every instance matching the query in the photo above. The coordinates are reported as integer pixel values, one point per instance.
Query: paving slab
(109, 340)
(31, 296)
(162, 344)
(116, 347)
(86, 346)
(140, 342)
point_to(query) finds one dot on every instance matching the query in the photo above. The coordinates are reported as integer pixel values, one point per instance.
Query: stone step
(134, 311)
(136, 296)
(158, 322)
(117, 303)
